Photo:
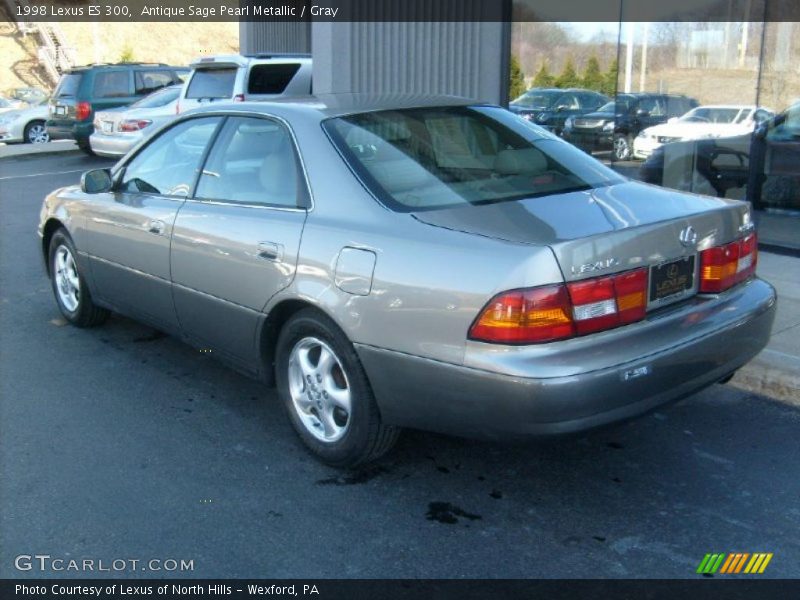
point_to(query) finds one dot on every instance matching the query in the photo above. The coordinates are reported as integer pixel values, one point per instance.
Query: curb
(773, 374)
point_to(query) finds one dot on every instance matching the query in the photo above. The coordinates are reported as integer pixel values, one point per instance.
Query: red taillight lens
(558, 312)
(748, 258)
(83, 110)
(631, 291)
(525, 316)
(723, 267)
(594, 306)
(134, 124)
(238, 98)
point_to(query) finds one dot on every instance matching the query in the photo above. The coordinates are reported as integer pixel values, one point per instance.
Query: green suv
(83, 90)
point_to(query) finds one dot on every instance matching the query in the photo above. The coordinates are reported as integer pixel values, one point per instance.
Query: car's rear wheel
(326, 393)
(70, 289)
(36, 133)
(86, 147)
(622, 147)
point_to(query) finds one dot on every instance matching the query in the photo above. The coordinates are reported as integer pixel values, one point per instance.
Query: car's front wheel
(326, 392)
(69, 286)
(36, 133)
(623, 148)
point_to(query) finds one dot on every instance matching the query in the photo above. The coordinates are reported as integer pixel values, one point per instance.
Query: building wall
(274, 37)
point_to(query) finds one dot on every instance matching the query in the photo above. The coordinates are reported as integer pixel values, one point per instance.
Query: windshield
(711, 115)
(211, 83)
(536, 99)
(431, 158)
(160, 98)
(621, 105)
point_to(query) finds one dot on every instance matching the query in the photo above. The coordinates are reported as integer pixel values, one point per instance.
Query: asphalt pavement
(122, 443)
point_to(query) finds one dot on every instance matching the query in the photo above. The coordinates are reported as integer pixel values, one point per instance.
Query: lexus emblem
(688, 237)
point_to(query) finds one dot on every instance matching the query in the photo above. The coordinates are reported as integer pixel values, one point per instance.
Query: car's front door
(235, 244)
(129, 229)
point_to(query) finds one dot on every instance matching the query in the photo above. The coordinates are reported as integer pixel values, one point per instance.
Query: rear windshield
(212, 83)
(160, 98)
(68, 85)
(271, 78)
(431, 158)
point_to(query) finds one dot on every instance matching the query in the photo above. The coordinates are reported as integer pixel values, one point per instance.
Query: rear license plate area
(60, 110)
(107, 126)
(672, 280)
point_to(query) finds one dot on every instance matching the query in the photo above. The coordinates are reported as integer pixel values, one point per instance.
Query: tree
(592, 77)
(126, 55)
(517, 79)
(610, 79)
(543, 77)
(568, 77)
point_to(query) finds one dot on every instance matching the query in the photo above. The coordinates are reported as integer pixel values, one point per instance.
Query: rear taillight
(722, 267)
(83, 110)
(133, 124)
(557, 312)
(526, 316)
(238, 98)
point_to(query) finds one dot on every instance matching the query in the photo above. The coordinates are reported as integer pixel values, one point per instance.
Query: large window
(212, 84)
(423, 159)
(150, 81)
(112, 84)
(271, 78)
(252, 162)
(169, 164)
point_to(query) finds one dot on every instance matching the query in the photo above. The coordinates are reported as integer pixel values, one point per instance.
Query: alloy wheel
(37, 134)
(68, 284)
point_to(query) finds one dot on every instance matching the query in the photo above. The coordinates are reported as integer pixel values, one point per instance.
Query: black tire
(623, 147)
(31, 129)
(85, 313)
(86, 147)
(365, 437)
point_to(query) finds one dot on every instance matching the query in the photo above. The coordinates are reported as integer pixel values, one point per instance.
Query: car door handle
(156, 226)
(270, 251)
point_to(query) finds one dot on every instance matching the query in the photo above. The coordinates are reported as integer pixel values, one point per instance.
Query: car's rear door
(129, 229)
(235, 244)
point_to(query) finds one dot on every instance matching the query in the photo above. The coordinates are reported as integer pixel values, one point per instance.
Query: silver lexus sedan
(412, 262)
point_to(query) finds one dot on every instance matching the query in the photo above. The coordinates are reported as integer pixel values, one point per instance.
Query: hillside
(174, 43)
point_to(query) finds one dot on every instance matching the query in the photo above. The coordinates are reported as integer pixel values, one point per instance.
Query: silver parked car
(117, 130)
(406, 262)
(26, 125)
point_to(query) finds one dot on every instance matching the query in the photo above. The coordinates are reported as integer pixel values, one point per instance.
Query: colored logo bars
(736, 562)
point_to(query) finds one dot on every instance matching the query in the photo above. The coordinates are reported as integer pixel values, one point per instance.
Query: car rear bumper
(113, 145)
(59, 130)
(591, 386)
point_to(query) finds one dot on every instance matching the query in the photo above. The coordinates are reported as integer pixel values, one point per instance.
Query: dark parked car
(84, 90)
(616, 124)
(550, 107)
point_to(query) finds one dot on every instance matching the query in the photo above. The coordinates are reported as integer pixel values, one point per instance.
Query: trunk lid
(607, 229)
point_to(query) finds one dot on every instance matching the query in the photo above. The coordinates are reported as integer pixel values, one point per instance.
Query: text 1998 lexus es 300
(421, 262)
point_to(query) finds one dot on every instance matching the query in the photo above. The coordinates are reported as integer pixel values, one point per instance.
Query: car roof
(324, 106)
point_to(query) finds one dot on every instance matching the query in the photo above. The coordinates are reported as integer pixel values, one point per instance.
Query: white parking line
(42, 174)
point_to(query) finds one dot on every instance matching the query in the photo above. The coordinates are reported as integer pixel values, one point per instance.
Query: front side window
(212, 84)
(271, 78)
(169, 164)
(112, 84)
(540, 100)
(431, 158)
(252, 162)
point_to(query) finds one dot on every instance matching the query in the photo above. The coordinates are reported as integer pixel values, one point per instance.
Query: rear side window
(68, 85)
(252, 162)
(271, 79)
(211, 83)
(149, 81)
(112, 84)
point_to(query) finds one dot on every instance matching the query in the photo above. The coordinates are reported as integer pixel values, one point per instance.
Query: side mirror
(96, 181)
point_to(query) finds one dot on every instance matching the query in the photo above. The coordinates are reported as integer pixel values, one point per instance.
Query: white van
(236, 78)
